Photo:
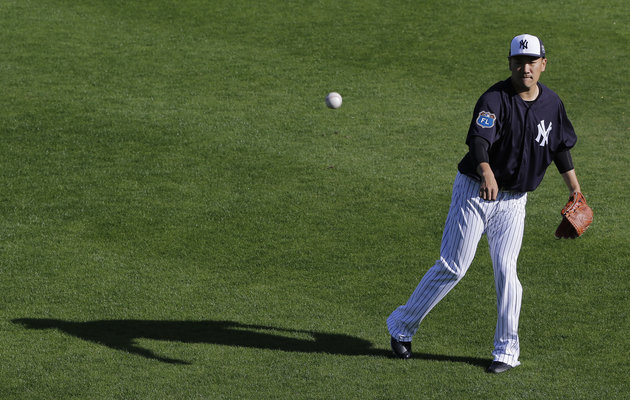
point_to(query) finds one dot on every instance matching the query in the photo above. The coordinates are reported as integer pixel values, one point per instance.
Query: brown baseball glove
(576, 217)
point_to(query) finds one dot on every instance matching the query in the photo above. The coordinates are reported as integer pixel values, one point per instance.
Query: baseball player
(519, 127)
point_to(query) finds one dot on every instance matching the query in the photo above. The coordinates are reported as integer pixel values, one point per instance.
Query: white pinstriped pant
(468, 219)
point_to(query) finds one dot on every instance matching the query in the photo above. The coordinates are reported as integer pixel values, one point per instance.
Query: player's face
(526, 71)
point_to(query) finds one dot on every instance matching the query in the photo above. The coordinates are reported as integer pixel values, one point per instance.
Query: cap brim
(528, 55)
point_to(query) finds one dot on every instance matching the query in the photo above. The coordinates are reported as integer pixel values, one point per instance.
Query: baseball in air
(333, 100)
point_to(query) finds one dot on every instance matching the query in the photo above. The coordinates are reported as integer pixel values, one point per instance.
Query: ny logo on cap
(523, 44)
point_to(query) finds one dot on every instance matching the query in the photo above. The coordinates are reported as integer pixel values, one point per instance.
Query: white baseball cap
(527, 45)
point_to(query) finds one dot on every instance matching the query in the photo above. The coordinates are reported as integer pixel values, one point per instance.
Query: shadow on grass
(123, 334)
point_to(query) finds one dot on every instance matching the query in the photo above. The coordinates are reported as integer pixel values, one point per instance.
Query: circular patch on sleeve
(486, 119)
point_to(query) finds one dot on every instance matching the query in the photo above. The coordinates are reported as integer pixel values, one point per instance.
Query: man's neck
(528, 94)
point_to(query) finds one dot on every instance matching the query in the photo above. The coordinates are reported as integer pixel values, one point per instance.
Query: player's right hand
(489, 188)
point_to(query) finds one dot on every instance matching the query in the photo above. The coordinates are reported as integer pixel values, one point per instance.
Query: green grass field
(183, 218)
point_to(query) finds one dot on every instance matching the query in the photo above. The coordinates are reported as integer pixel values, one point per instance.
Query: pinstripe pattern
(470, 217)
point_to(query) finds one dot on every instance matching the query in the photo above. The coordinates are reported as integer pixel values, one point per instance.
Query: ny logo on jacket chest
(543, 133)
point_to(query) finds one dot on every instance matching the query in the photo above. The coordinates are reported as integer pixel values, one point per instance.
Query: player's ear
(544, 64)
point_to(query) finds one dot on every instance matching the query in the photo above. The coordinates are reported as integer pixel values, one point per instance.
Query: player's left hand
(577, 216)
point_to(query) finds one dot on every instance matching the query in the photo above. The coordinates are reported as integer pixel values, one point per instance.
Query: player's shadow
(124, 334)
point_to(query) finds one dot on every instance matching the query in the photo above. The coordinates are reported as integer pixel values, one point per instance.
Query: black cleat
(497, 367)
(401, 349)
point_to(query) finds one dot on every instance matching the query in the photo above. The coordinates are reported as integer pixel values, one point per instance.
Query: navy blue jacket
(524, 136)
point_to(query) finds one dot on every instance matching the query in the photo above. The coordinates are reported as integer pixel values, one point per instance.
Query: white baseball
(333, 100)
